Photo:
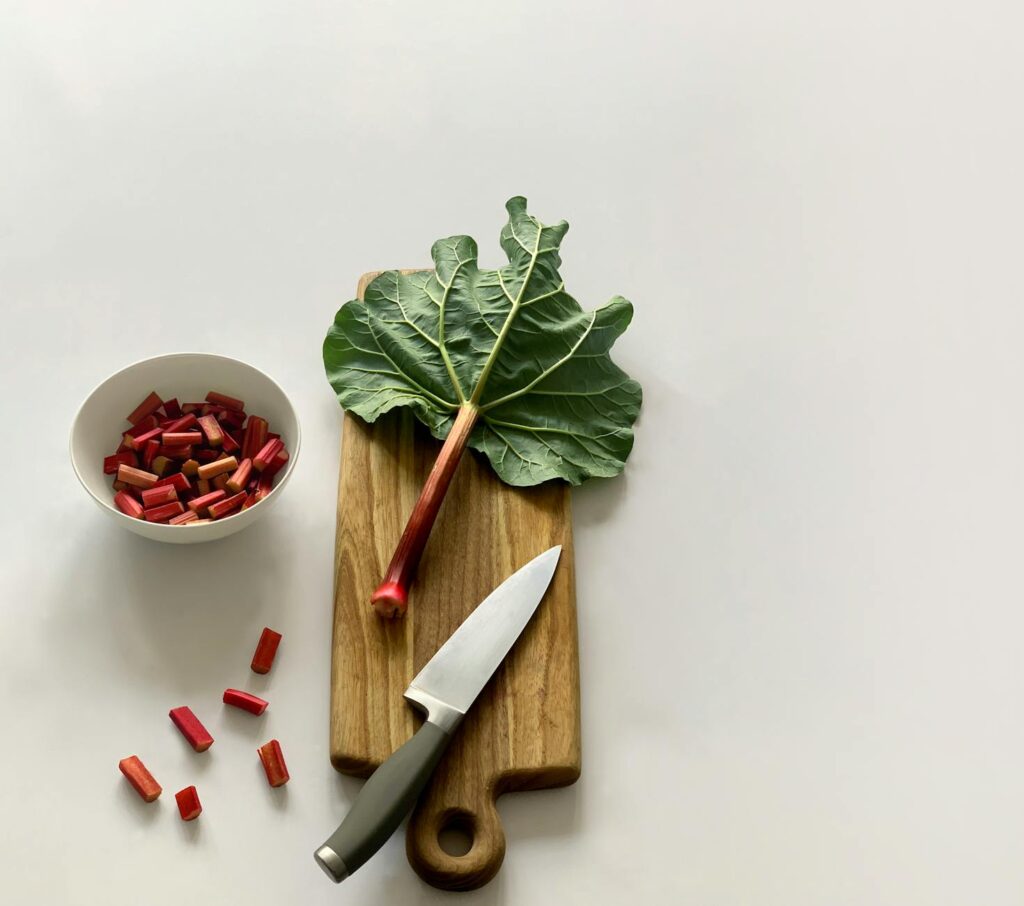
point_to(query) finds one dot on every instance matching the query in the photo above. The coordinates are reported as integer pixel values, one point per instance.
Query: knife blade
(444, 690)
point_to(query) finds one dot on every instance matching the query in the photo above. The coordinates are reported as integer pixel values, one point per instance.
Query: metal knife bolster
(437, 712)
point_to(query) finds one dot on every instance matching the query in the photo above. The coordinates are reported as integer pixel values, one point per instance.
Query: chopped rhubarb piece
(233, 418)
(147, 407)
(138, 442)
(178, 452)
(183, 518)
(190, 467)
(136, 477)
(147, 424)
(203, 486)
(220, 482)
(222, 399)
(273, 763)
(172, 408)
(240, 476)
(263, 658)
(149, 453)
(186, 408)
(178, 481)
(267, 453)
(164, 512)
(183, 423)
(239, 699)
(200, 504)
(197, 735)
(250, 500)
(206, 454)
(230, 445)
(255, 436)
(212, 429)
(126, 457)
(218, 466)
(158, 494)
(161, 465)
(143, 782)
(189, 806)
(277, 463)
(264, 487)
(128, 505)
(223, 507)
(181, 438)
(120, 486)
(272, 436)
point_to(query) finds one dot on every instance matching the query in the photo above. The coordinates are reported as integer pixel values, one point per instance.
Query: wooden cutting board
(523, 733)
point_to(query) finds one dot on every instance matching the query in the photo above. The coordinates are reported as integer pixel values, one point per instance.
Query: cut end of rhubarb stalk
(390, 600)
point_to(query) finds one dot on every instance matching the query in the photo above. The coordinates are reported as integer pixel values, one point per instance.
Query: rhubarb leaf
(510, 342)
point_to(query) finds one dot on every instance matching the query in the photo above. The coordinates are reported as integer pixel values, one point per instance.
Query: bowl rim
(108, 504)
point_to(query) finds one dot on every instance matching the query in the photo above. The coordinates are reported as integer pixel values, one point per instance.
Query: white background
(800, 608)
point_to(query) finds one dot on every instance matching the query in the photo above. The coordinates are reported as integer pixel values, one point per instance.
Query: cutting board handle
(440, 869)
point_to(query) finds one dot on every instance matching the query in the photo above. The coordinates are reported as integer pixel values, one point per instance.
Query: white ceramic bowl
(97, 427)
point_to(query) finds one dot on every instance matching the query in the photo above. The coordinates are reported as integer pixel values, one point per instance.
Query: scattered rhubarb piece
(185, 518)
(222, 399)
(266, 649)
(267, 453)
(273, 763)
(165, 512)
(212, 429)
(158, 494)
(147, 407)
(125, 457)
(239, 699)
(143, 782)
(223, 507)
(128, 505)
(218, 466)
(200, 504)
(136, 477)
(255, 436)
(189, 806)
(197, 735)
(240, 476)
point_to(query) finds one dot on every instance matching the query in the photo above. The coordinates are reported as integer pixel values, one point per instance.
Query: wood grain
(524, 730)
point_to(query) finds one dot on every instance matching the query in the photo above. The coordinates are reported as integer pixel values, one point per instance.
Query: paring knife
(444, 690)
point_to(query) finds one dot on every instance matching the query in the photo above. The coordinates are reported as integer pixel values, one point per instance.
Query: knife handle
(385, 799)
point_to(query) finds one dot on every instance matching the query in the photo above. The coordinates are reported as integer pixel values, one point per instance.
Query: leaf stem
(392, 595)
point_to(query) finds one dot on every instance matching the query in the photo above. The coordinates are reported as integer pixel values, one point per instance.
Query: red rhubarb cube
(140, 778)
(189, 806)
(273, 763)
(197, 735)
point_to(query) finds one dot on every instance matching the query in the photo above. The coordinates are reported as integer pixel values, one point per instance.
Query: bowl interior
(188, 376)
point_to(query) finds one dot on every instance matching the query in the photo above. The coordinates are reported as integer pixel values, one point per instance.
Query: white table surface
(800, 609)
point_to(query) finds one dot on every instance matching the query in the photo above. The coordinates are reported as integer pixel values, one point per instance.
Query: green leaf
(511, 342)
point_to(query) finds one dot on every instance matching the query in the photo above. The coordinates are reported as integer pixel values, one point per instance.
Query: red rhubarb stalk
(184, 518)
(266, 649)
(223, 507)
(273, 763)
(165, 512)
(125, 457)
(159, 494)
(136, 477)
(267, 454)
(189, 806)
(181, 438)
(144, 783)
(239, 699)
(197, 735)
(392, 595)
(222, 399)
(128, 505)
(255, 436)
(200, 504)
(212, 429)
(217, 467)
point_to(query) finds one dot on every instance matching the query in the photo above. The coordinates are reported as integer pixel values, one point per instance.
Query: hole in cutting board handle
(456, 835)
